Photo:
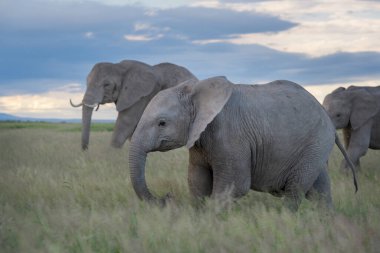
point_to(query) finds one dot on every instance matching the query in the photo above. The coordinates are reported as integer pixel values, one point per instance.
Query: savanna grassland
(56, 198)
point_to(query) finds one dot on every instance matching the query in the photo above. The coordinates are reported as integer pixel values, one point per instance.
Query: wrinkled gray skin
(130, 85)
(356, 110)
(272, 138)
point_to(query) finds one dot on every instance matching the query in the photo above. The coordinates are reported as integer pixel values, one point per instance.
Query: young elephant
(356, 110)
(272, 138)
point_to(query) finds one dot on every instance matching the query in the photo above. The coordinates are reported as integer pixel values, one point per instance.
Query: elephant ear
(364, 107)
(138, 83)
(208, 97)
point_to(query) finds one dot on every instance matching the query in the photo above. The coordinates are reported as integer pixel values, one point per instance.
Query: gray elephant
(272, 138)
(130, 85)
(356, 110)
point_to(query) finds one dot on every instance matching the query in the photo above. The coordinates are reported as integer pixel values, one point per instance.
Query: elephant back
(128, 64)
(286, 108)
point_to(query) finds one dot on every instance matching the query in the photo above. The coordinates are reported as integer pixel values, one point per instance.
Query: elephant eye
(338, 115)
(162, 123)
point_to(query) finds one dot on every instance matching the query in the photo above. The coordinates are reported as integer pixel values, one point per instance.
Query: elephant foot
(163, 202)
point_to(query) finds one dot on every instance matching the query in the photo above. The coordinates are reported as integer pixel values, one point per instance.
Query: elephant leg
(119, 135)
(346, 168)
(199, 176)
(302, 178)
(293, 196)
(231, 176)
(358, 146)
(321, 190)
(346, 136)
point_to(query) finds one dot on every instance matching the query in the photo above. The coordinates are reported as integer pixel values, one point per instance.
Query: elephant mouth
(108, 99)
(165, 149)
(167, 145)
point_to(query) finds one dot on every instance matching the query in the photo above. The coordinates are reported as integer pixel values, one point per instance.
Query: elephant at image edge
(356, 110)
(272, 138)
(130, 85)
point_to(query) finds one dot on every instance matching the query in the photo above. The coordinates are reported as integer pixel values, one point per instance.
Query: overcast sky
(47, 47)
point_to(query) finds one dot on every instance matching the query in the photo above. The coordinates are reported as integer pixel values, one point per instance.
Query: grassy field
(56, 198)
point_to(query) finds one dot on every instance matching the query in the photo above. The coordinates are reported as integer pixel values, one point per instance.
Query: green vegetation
(70, 127)
(56, 198)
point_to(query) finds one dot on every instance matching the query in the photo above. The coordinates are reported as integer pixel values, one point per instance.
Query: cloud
(150, 3)
(70, 88)
(62, 40)
(39, 85)
(210, 23)
(324, 27)
(66, 16)
(316, 39)
(142, 26)
(75, 16)
(59, 42)
(52, 104)
(241, 1)
(255, 63)
(89, 35)
(142, 37)
(240, 63)
(146, 32)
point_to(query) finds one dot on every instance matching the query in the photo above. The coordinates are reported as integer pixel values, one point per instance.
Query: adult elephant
(130, 85)
(272, 138)
(356, 110)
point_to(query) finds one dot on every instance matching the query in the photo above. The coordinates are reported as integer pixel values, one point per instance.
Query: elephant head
(124, 84)
(174, 118)
(351, 107)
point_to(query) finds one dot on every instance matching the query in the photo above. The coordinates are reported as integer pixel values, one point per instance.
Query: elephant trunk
(137, 159)
(86, 124)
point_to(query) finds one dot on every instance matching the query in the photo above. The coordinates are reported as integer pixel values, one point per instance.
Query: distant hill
(9, 117)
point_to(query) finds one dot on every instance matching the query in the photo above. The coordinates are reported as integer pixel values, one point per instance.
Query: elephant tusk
(97, 108)
(92, 106)
(74, 105)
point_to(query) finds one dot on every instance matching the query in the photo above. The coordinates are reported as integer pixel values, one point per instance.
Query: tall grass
(56, 198)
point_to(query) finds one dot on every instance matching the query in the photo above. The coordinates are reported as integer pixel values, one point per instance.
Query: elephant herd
(274, 138)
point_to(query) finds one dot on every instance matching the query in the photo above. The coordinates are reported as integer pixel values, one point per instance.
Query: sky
(47, 47)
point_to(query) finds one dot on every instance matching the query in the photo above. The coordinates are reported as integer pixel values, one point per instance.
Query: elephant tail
(352, 167)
